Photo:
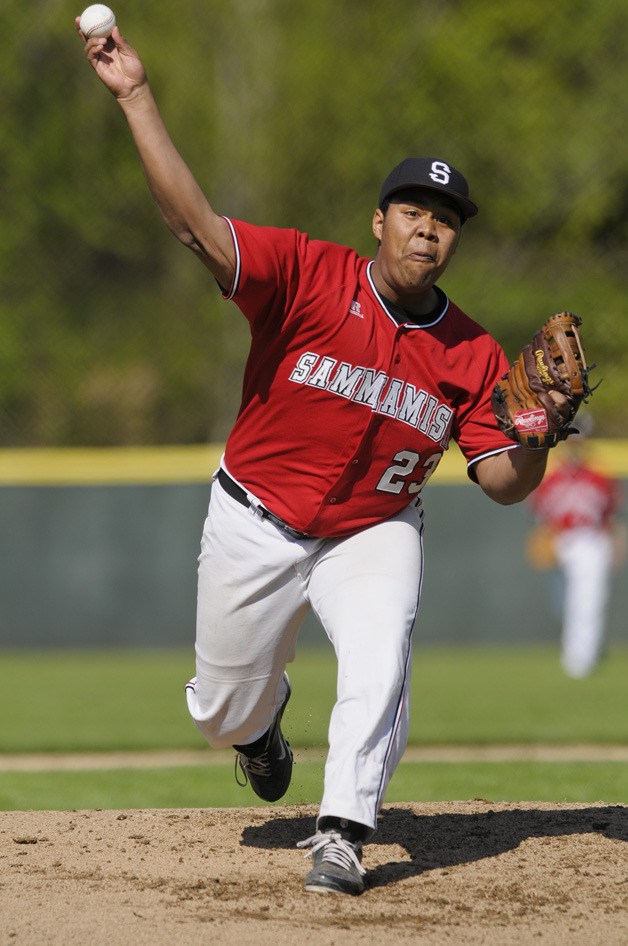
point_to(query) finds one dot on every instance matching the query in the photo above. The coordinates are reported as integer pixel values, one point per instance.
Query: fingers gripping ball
(97, 20)
(553, 362)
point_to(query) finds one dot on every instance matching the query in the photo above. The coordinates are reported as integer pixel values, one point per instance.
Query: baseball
(97, 20)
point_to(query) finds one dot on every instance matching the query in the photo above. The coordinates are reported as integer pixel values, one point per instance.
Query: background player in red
(576, 507)
(360, 372)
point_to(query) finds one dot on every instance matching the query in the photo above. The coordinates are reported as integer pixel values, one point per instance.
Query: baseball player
(360, 372)
(578, 504)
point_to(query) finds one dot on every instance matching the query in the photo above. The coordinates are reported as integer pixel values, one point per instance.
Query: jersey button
(354, 462)
(332, 500)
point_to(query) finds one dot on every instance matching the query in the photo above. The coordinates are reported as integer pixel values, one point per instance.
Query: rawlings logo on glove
(535, 420)
(553, 363)
(541, 367)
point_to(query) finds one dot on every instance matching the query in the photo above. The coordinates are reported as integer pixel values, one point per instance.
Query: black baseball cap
(432, 173)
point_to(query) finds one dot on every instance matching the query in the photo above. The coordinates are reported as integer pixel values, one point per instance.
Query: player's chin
(420, 277)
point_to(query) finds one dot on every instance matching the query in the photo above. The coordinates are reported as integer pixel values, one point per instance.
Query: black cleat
(267, 763)
(337, 866)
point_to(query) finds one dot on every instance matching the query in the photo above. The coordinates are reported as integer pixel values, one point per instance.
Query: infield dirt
(451, 873)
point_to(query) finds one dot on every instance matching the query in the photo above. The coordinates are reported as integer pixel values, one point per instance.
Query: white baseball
(97, 20)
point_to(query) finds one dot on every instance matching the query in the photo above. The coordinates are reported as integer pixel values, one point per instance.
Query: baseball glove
(554, 361)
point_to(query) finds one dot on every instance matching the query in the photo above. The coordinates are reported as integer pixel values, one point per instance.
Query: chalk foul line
(179, 758)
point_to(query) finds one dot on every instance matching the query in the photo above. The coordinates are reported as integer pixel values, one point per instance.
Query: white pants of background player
(585, 557)
(255, 586)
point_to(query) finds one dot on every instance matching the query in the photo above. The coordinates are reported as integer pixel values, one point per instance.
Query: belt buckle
(280, 524)
(293, 533)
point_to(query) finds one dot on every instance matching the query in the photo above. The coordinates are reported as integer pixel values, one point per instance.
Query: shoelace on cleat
(258, 765)
(336, 850)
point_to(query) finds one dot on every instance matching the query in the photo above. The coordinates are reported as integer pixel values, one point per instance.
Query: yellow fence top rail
(195, 464)
(108, 465)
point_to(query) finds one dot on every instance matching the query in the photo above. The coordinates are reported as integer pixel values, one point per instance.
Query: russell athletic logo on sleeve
(392, 397)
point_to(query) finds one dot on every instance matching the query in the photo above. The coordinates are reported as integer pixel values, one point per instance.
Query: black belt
(236, 492)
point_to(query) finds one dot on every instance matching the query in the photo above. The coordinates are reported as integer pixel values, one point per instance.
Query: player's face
(418, 235)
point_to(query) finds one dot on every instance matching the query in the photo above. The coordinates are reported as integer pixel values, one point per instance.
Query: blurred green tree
(291, 114)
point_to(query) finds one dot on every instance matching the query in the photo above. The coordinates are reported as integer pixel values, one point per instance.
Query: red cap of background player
(432, 173)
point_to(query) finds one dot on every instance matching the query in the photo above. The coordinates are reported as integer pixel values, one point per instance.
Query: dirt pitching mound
(451, 873)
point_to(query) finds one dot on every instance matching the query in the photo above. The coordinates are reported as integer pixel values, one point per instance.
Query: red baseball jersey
(574, 496)
(346, 413)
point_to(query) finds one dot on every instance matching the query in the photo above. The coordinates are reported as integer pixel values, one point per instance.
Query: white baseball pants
(255, 586)
(585, 556)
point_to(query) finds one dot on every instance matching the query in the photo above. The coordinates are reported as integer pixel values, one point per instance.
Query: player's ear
(378, 223)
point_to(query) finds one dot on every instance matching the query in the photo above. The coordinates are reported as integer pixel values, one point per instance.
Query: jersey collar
(410, 325)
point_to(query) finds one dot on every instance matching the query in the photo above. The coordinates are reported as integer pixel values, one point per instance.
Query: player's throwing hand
(115, 61)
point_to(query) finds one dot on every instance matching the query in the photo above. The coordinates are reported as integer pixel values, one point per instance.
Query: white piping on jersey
(492, 453)
(441, 314)
(238, 263)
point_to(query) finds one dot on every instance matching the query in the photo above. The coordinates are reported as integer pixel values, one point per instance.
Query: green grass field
(111, 700)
